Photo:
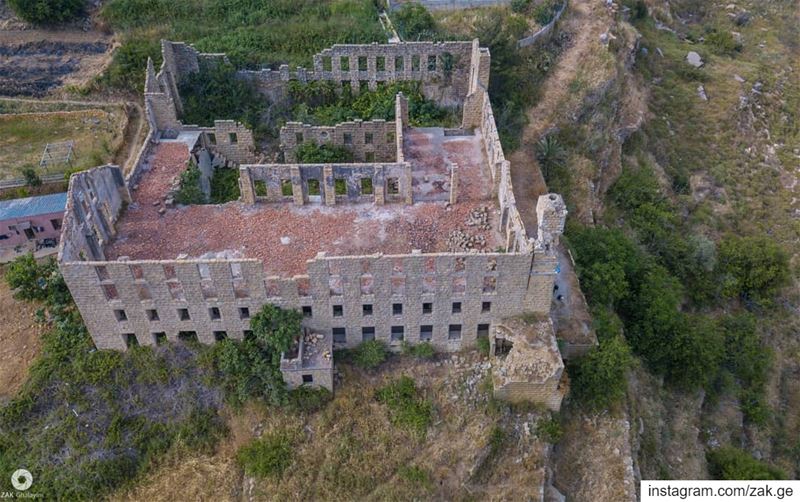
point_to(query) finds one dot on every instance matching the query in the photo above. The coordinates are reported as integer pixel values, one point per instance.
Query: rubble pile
(312, 345)
(458, 241)
(479, 217)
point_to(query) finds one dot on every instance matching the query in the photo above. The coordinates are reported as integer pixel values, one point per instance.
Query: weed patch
(407, 408)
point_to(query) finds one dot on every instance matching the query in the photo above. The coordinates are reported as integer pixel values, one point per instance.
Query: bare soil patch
(19, 340)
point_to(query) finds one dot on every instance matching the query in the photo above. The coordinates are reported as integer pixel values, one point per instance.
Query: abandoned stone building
(418, 239)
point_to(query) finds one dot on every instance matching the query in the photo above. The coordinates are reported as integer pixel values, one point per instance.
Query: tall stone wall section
(138, 288)
(375, 139)
(95, 199)
(292, 183)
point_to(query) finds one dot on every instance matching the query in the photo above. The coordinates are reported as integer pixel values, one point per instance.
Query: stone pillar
(551, 213)
(409, 185)
(284, 71)
(246, 186)
(401, 109)
(302, 74)
(328, 188)
(379, 186)
(454, 184)
(297, 185)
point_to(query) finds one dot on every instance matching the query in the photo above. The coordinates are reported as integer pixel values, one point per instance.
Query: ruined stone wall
(94, 201)
(529, 392)
(442, 67)
(323, 377)
(372, 141)
(141, 287)
(486, 287)
(477, 94)
(326, 183)
(233, 140)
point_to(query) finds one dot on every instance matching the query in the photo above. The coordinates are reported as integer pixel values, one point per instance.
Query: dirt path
(19, 340)
(585, 21)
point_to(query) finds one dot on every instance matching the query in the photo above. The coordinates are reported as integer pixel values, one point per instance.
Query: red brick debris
(282, 235)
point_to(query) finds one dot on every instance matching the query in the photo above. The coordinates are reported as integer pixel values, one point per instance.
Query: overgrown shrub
(421, 350)
(224, 185)
(47, 11)
(267, 456)
(307, 399)
(416, 475)
(127, 68)
(189, 191)
(484, 345)
(549, 430)
(729, 463)
(753, 268)
(413, 22)
(312, 153)
(598, 378)
(32, 178)
(251, 368)
(407, 408)
(722, 42)
(370, 354)
(545, 11)
(214, 93)
(319, 104)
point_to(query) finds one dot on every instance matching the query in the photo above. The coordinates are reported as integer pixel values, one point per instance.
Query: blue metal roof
(32, 206)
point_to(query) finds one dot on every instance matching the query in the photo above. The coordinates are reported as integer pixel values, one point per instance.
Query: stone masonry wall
(292, 182)
(150, 293)
(95, 199)
(372, 141)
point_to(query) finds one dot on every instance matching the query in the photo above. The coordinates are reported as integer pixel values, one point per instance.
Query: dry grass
(97, 134)
(350, 450)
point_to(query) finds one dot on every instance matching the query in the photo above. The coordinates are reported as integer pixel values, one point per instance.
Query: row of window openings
(339, 334)
(338, 311)
(380, 63)
(369, 139)
(397, 333)
(339, 186)
(397, 309)
(183, 314)
(160, 338)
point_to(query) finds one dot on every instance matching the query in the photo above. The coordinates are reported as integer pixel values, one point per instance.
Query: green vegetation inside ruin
(516, 74)
(312, 153)
(224, 186)
(421, 350)
(320, 103)
(253, 34)
(214, 93)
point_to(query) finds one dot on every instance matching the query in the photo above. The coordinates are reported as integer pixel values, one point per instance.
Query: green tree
(214, 93)
(598, 378)
(189, 191)
(312, 153)
(414, 22)
(29, 280)
(729, 463)
(47, 11)
(753, 268)
(251, 368)
(32, 178)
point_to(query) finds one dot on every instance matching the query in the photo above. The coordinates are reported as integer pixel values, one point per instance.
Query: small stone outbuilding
(526, 362)
(309, 361)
